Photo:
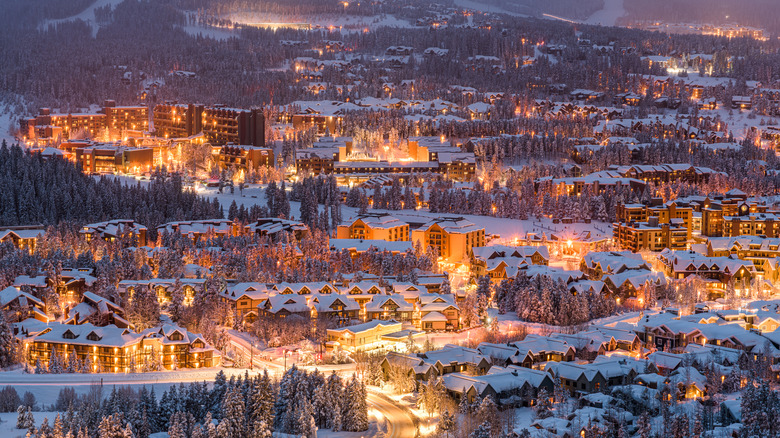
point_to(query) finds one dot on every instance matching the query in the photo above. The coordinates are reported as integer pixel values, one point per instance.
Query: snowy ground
(46, 387)
(345, 22)
(8, 423)
(482, 7)
(87, 15)
(209, 32)
(613, 9)
(7, 120)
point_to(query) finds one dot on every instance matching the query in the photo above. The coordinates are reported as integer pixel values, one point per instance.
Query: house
(439, 312)
(545, 349)
(22, 237)
(364, 336)
(387, 307)
(20, 306)
(690, 383)
(504, 355)
(356, 247)
(115, 229)
(97, 310)
(282, 306)
(578, 378)
(272, 227)
(454, 359)
(667, 333)
(244, 298)
(36, 284)
(502, 262)
(340, 307)
(510, 386)
(196, 230)
(165, 288)
(412, 364)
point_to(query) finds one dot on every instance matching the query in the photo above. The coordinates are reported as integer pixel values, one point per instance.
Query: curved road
(399, 421)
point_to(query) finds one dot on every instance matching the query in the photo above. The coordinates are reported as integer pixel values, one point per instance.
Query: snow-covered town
(393, 218)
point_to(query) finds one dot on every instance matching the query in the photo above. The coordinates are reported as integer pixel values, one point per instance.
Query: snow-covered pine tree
(7, 342)
(482, 431)
(446, 424)
(58, 430)
(233, 413)
(40, 368)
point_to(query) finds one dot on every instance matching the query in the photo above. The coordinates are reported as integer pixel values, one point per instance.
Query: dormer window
(69, 335)
(92, 336)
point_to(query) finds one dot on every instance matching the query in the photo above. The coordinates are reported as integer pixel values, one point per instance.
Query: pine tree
(45, 430)
(21, 417)
(58, 431)
(40, 368)
(261, 405)
(111, 427)
(643, 426)
(7, 342)
(233, 413)
(355, 415)
(446, 423)
(543, 406)
(482, 431)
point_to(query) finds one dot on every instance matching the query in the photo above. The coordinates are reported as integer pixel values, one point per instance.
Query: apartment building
(220, 125)
(242, 157)
(114, 120)
(451, 237)
(651, 235)
(114, 349)
(375, 226)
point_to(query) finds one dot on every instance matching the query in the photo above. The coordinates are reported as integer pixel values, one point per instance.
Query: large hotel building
(116, 121)
(220, 125)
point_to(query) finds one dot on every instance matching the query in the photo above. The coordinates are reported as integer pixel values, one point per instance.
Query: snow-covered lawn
(608, 16)
(46, 387)
(8, 423)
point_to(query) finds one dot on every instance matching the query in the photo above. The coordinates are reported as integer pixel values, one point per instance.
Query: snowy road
(399, 421)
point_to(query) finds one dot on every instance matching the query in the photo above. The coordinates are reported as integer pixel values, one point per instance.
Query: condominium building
(110, 158)
(220, 125)
(114, 120)
(242, 157)
(114, 229)
(651, 235)
(375, 226)
(114, 349)
(451, 237)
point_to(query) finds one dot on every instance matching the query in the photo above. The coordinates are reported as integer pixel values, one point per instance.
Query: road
(399, 421)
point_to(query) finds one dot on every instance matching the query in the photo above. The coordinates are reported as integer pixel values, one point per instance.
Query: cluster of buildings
(679, 223)
(451, 237)
(635, 177)
(111, 121)
(96, 333)
(120, 139)
(340, 157)
(688, 356)
(419, 305)
(219, 124)
(726, 241)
